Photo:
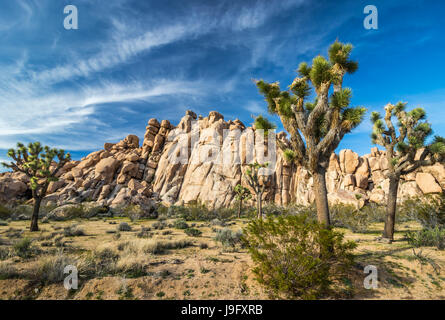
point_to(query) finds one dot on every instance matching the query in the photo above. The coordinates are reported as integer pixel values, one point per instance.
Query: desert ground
(194, 267)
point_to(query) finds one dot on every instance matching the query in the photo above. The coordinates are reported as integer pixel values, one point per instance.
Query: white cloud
(254, 107)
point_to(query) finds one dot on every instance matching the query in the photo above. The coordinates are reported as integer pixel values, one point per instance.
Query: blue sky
(133, 60)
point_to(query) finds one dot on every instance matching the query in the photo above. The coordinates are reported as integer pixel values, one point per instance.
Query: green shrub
(4, 212)
(434, 237)
(228, 238)
(123, 226)
(295, 257)
(181, 224)
(3, 223)
(193, 232)
(347, 216)
(23, 248)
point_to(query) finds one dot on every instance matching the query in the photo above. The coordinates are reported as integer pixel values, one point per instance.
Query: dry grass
(173, 263)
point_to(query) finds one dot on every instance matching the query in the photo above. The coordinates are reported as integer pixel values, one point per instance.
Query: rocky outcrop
(202, 159)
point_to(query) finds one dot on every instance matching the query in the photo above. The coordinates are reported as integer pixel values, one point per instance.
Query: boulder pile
(202, 159)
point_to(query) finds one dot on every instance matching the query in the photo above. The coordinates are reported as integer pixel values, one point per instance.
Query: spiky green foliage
(263, 123)
(37, 162)
(406, 139)
(316, 127)
(242, 193)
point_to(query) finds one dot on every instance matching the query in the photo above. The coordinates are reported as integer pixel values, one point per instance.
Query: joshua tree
(406, 149)
(253, 180)
(37, 163)
(242, 194)
(316, 128)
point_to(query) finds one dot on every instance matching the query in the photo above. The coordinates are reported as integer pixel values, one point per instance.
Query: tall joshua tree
(316, 128)
(254, 181)
(241, 194)
(37, 163)
(406, 149)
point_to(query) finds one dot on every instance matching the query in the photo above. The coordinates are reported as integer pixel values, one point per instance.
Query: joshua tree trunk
(240, 208)
(35, 215)
(321, 197)
(388, 232)
(259, 206)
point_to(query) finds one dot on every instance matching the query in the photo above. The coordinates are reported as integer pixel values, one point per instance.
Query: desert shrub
(159, 225)
(347, 216)
(295, 257)
(374, 212)
(23, 248)
(136, 211)
(50, 269)
(217, 222)
(7, 270)
(144, 233)
(193, 232)
(180, 224)
(5, 212)
(14, 233)
(431, 237)
(199, 212)
(123, 226)
(4, 253)
(203, 245)
(429, 211)
(73, 231)
(228, 238)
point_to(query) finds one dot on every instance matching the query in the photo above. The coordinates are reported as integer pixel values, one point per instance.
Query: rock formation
(203, 159)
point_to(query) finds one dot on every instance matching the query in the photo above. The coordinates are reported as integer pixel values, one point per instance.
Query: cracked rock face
(202, 159)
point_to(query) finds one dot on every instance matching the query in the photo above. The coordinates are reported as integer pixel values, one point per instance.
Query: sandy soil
(215, 273)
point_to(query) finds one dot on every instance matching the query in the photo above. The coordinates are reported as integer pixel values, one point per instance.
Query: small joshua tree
(253, 180)
(241, 194)
(406, 149)
(37, 163)
(316, 128)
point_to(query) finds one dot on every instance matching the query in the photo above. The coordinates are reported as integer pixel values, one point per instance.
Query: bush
(430, 212)
(4, 253)
(123, 226)
(181, 224)
(347, 216)
(7, 271)
(50, 269)
(3, 223)
(22, 248)
(192, 232)
(144, 233)
(159, 225)
(295, 257)
(228, 238)
(434, 237)
(4, 212)
(73, 231)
